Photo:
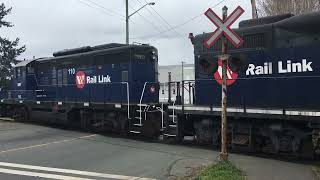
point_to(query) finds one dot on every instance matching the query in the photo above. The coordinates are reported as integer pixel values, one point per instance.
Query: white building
(176, 76)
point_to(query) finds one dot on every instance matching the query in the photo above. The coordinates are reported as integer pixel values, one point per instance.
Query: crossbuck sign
(224, 27)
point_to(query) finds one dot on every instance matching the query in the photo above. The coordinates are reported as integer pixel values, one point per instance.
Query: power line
(102, 10)
(166, 29)
(177, 26)
(148, 21)
(164, 20)
(102, 7)
(152, 15)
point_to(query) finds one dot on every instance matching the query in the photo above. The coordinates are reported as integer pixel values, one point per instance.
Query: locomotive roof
(25, 62)
(308, 22)
(98, 51)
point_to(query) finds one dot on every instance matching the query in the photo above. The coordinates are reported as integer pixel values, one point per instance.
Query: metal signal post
(225, 32)
(224, 58)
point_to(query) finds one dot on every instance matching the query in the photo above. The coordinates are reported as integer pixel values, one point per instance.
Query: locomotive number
(72, 71)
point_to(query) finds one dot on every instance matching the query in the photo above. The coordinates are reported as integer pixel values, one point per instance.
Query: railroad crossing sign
(224, 75)
(224, 27)
(231, 76)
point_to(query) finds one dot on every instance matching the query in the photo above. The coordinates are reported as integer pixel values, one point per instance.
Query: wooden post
(224, 126)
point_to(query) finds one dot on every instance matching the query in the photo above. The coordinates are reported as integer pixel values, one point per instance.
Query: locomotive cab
(22, 85)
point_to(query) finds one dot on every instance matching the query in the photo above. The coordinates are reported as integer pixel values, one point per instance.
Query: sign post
(224, 58)
(225, 32)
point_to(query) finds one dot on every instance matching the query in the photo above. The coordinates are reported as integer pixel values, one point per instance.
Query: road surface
(29, 151)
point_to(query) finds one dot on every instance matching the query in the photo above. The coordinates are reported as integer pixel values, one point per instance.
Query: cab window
(18, 72)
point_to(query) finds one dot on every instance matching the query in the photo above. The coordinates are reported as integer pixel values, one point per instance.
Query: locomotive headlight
(153, 55)
(153, 52)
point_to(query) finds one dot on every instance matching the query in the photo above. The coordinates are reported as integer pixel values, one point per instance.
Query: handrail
(128, 99)
(140, 102)
(173, 115)
(162, 116)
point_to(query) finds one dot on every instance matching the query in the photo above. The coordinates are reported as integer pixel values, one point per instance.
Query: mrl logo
(82, 79)
(283, 67)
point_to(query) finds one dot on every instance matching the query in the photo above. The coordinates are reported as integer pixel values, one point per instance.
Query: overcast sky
(45, 26)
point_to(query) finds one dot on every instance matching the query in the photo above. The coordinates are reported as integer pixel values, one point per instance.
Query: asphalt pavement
(29, 151)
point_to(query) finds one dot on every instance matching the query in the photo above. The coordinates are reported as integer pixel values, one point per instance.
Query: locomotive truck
(273, 102)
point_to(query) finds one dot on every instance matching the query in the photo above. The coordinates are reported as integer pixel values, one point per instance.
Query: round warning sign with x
(231, 76)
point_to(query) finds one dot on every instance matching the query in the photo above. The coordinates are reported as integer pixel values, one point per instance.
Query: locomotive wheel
(3, 111)
(124, 124)
(73, 118)
(20, 114)
(85, 120)
(203, 131)
(306, 149)
(151, 126)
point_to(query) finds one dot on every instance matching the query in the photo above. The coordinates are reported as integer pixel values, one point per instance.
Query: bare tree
(276, 7)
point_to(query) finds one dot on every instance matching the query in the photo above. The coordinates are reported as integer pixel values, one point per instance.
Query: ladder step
(138, 118)
(135, 132)
(139, 110)
(173, 115)
(173, 125)
(143, 105)
(170, 135)
(140, 125)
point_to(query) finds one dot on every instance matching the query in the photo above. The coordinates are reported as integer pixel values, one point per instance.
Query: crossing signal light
(208, 65)
(238, 63)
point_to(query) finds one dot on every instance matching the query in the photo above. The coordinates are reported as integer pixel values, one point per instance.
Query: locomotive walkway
(30, 151)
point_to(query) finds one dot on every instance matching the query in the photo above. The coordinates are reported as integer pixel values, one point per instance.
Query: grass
(221, 171)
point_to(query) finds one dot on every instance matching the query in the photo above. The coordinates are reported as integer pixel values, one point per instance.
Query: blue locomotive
(273, 80)
(74, 85)
(273, 103)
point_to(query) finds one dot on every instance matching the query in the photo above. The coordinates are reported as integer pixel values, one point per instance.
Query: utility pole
(169, 87)
(127, 21)
(129, 15)
(182, 70)
(224, 59)
(182, 82)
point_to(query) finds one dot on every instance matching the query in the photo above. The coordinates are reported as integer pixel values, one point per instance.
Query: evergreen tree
(9, 50)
